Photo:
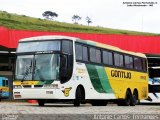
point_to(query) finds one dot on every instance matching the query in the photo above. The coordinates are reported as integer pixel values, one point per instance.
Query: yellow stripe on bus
(25, 83)
(4, 89)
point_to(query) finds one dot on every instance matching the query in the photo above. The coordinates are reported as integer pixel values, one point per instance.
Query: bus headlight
(17, 86)
(53, 86)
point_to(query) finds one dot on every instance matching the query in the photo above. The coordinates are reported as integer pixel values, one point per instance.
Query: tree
(76, 18)
(88, 20)
(49, 15)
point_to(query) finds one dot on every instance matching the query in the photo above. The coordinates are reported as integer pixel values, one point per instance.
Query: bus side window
(85, 53)
(107, 58)
(128, 62)
(144, 65)
(6, 83)
(92, 54)
(137, 63)
(95, 55)
(118, 60)
(98, 56)
(3, 83)
(79, 55)
(67, 47)
(121, 64)
(81, 52)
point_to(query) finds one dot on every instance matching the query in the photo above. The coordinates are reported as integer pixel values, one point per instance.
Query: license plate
(17, 96)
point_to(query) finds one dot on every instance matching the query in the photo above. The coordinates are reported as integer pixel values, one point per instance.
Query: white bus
(61, 68)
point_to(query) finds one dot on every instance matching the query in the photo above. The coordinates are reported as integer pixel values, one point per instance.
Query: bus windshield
(38, 67)
(24, 67)
(46, 67)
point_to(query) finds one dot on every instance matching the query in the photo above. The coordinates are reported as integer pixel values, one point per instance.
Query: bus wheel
(78, 97)
(41, 102)
(99, 103)
(134, 99)
(127, 100)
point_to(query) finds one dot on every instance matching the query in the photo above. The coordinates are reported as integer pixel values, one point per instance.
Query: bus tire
(41, 102)
(134, 99)
(78, 97)
(127, 100)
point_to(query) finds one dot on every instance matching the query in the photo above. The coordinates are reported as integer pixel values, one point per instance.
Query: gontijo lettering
(121, 74)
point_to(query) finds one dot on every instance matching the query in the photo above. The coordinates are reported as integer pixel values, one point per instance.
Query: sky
(105, 13)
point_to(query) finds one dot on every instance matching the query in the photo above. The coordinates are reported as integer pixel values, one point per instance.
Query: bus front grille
(27, 86)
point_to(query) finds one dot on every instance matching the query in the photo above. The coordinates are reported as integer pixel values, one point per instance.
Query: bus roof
(89, 42)
(48, 37)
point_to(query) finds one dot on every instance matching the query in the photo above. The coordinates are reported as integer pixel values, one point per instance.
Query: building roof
(143, 44)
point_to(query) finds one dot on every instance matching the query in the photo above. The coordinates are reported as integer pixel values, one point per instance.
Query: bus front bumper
(40, 94)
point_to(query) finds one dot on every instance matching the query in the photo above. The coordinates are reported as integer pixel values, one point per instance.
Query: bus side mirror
(63, 67)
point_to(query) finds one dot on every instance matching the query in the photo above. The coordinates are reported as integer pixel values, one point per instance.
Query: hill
(22, 22)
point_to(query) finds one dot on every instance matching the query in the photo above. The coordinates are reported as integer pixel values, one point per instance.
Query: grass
(22, 22)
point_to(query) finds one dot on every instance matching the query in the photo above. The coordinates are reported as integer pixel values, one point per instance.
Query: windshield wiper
(28, 70)
(34, 68)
